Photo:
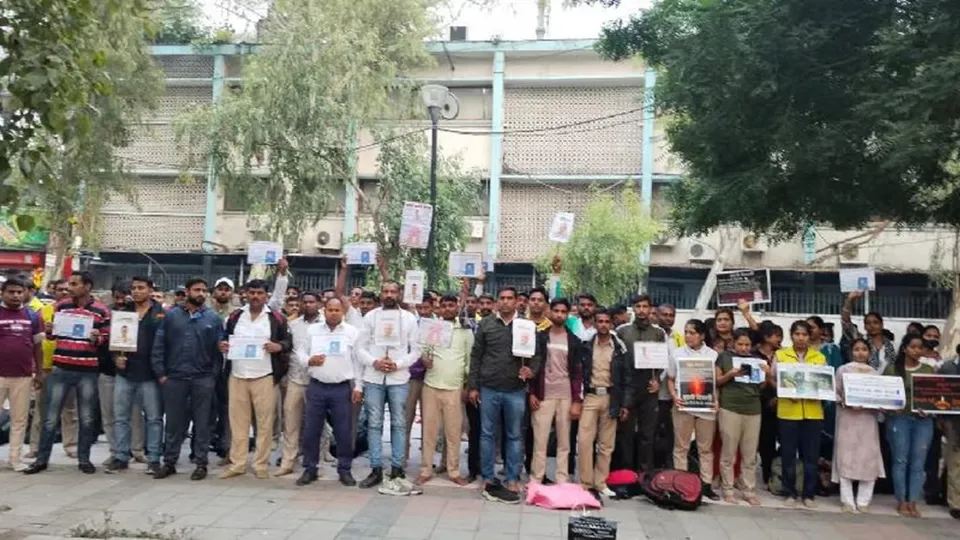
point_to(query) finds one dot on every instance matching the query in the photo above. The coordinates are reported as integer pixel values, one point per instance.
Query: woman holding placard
(739, 378)
(685, 423)
(856, 453)
(909, 433)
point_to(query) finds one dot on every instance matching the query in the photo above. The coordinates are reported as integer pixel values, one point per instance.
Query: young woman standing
(771, 337)
(882, 349)
(856, 455)
(909, 433)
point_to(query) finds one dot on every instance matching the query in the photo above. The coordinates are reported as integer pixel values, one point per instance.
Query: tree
(801, 112)
(326, 69)
(405, 176)
(605, 251)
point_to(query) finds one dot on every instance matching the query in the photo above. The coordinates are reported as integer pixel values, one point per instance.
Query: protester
(21, 364)
(106, 385)
(424, 310)
(298, 381)
(952, 448)
(771, 336)
(882, 349)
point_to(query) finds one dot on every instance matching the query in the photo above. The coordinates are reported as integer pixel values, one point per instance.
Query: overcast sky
(515, 20)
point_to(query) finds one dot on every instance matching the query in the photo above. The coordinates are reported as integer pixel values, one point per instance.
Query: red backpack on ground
(673, 490)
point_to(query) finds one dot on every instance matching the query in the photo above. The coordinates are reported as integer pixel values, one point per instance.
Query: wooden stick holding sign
(524, 344)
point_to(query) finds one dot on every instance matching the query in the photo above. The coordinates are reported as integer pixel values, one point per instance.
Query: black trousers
(473, 440)
(769, 433)
(185, 401)
(635, 437)
(663, 440)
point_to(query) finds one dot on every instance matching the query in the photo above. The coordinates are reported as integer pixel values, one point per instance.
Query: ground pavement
(62, 501)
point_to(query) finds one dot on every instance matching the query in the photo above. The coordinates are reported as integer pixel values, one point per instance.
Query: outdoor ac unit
(853, 255)
(751, 243)
(700, 252)
(327, 240)
(476, 229)
(664, 239)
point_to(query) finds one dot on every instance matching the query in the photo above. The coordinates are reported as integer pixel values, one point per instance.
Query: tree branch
(831, 249)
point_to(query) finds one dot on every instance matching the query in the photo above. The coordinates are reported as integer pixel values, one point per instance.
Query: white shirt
(354, 318)
(247, 369)
(301, 346)
(369, 352)
(336, 368)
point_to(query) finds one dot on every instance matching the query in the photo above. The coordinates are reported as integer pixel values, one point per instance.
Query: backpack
(625, 484)
(673, 490)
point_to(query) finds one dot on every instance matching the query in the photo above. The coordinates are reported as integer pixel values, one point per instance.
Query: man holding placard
(81, 325)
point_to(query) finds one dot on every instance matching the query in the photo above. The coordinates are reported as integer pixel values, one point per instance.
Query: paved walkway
(54, 504)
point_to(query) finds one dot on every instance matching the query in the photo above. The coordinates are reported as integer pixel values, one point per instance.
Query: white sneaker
(607, 493)
(19, 467)
(410, 487)
(399, 487)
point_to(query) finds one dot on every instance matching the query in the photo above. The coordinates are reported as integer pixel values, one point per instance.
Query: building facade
(544, 122)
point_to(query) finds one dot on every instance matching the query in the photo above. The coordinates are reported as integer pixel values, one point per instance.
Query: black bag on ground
(591, 528)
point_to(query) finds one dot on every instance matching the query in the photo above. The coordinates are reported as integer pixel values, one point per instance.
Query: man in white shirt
(386, 348)
(329, 355)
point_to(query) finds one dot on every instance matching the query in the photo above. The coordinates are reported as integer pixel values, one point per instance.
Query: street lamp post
(434, 97)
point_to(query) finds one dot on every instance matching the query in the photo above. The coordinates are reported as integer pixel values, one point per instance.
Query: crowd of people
(333, 362)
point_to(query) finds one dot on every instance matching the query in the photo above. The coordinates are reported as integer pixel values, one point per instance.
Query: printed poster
(413, 287)
(124, 327)
(752, 286)
(756, 375)
(936, 394)
(328, 345)
(562, 227)
(72, 325)
(264, 253)
(386, 329)
(696, 384)
(524, 338)
(649, 355)
(415, 225)
(246, 348)
(858, 279)
(806, 381)
(465, 265)
(360, 253)
(872, 391)
(436, 333)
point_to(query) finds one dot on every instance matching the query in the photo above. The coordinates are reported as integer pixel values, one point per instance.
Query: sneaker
(399, 487)
(397, 472)
(261, 475)
(87, 468)
(847, 509)
(496, 492)
(19, 467)
(108, 461)
(866, 510)
(115, 466)
(789, 502)
(375, 478)
(810, 503)
(607, 493)
(36, 467)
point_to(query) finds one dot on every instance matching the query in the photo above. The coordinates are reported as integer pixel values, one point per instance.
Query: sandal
(730, 499)
(752, 500)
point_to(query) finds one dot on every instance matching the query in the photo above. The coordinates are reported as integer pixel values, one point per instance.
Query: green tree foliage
(604, 253)
(180, 22)
(405, 176)
(326, 70)
(787, 112)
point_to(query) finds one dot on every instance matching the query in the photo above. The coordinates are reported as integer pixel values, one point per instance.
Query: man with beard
(222, 303)
(298, 381)
(485, 306)
(186, 362)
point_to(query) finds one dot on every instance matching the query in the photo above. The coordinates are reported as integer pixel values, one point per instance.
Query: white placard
(328, 345)
(858, 279)
(361, 253)
(756, 376)
(415, 225)
(650, 355)
(806, 381)
(264, 253)
(413, 287)
(124, 327)
(562, 227)
(872, 391)
(386, 328)
(524, 338)
(72, 325)
(436, 332)
(465, 265)
(246, 348)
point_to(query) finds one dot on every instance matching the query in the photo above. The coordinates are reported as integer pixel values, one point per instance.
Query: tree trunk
(950, 337)
(727, 237)
(543, 17)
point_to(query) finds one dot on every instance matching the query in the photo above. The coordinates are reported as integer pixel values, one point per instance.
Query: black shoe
(375, 478)
(309, 476)
(709, 493)
(397, 472)
(164, 471)
(115, 466)
(36, 467)
(87, 468)
(955, 513)
(496, 492)
(596, 495)
(152, 468)
(346, 478)
(199, 473)
(472, 478)
(547, 481)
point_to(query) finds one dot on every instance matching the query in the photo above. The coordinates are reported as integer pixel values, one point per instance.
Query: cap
(224, 281)
(180, 290)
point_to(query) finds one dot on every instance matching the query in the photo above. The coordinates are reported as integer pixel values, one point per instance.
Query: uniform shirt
(336, 368)
(404, 356)
(600, 376)
(20, 331)
(260, 327)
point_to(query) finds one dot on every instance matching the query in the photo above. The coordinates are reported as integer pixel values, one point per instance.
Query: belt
(315, 381)
(599, 391)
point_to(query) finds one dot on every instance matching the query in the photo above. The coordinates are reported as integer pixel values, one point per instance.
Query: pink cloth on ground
(564, 496)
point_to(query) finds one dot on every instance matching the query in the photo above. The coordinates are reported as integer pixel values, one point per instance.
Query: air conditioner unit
(751, 243)
(476, 229)
(853, 255)
(327, 240)
(664, 239)
(700, 252)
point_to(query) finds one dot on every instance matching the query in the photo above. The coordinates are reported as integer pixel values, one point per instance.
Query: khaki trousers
(685, 425)
(105, 387)
(415, 390)
(68, 420)
(261, 394)
(951, 457)
(293, 403)
(738, 431)
(441, 407)
(595, 425)
(17, 390)
(551, 409)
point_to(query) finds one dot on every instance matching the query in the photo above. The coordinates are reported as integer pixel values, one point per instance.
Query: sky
(513, 20)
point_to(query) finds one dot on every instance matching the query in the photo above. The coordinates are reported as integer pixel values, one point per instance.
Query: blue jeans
(909, 437)
(493, 404)
(125, 394)
(58, 384)
(802, 435)
(374, 398)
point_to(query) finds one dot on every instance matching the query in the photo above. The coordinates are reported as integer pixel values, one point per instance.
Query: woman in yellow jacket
(800, 421)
